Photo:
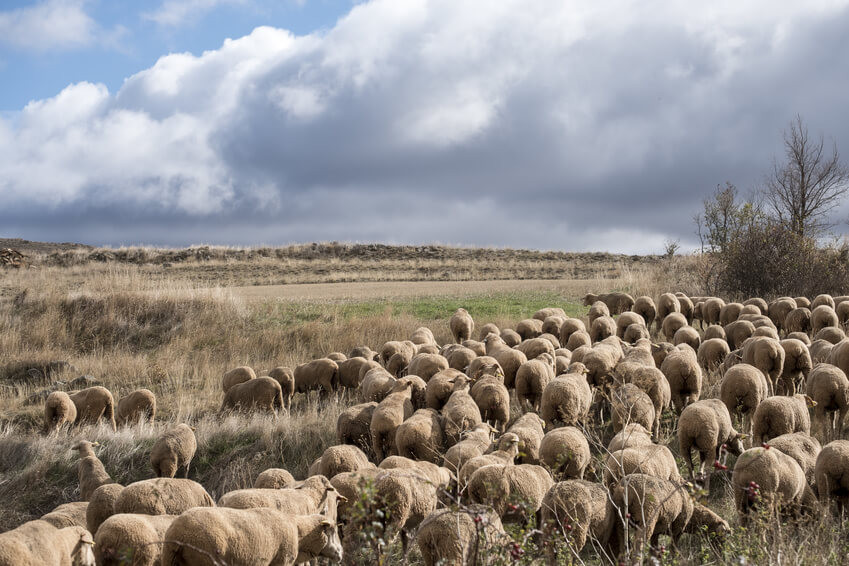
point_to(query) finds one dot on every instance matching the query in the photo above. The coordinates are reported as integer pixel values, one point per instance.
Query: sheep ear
(342, 498)
(327, 523)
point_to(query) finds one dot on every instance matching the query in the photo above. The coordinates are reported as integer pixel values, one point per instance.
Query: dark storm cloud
(549, 126)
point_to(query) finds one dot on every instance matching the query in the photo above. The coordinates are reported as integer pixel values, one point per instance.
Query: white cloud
(547, 124)
(48, 25)
(176, 13)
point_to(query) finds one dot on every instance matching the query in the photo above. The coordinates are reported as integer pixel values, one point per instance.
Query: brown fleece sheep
(174, 450)
(602, 327)
(551, 324)
(566, 401)
(529, 429)
(821, 352)
(474, 443)
(531, 380)
(766, 476)
(459, 358)
(38, 543)
(576, 510)
(510, 337)
(684, 375)
(706, 426)
(626, 319)
(630, 404)
(687, 307)
(240, 374)
(803, 448)
(500, 486)
(781, 415)
(249, 536)
(493, 399)
(286, 378)
(313, 495)
(376, 384)
(831, 334)
(336, 356)
(59, 411)
(800, 336)
(68, 515)
(660, 350)
(529, 328)
(93, 404)
(645, 307)
(510, 361)
(364, 352)
(779, 309)
(397, 364)
(546, 312)
(617, 301)
(569, 327)
(687, 335)
(715, 331)
(839, 356)
(393, 347)
(635, 332)
(426, 365)
(798, 320)
(457, 537)
(504, 456)
(440, 387)
(462, 325)
(597, 310)
(743, 388)
(459, 413)
(634, 434)
(842, 310)
(601, 362)
(711, 309)
(422, 335)
(261, 394)
(162, 496)
(274, 478)
(136, 406)
(407, 501)
(351, 373)
(565, 452)
(419, 437)
(729, 313)
(488, 328)
(767, 355)
(132, 536)
(831, 477)
(828, 386)
(654, 460)
(737, 332)
(388, 415)
(319, 374)
(797, 366)
(712, 352)
(354, 425)
(101, 505)
(90, 470)
(758, 302)
(338, 459)
(823, 316)
(533, 347)
(667, 303)
(654, 384)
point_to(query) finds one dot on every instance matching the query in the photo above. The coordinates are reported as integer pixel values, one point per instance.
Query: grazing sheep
(397, 364)
(633, 434)
(597, 310)
(426, 365)
(509, 444)
(462, 325)
(459, 413)
(803, 448)
(576, 510)
(630, 404)
(338, 459)
(711, 309)
(779, 309)
(474, 443)
(174, 450)
(654, 384)
(59, 411)
(393, 347)
(510, 361)
(136, 406)
(667, 303)
(758, 302)
(821, 352)
(645, 307)
(354, 425)
(240, 374)
(38, 543)
(376, 384)
(93, 404)
(842, 311)
(800, 336)
(131, 536)
(578, 339)
(601, 363)
(351, 373)
(422, 335)
(729, 313)
(602, 327)
(364, 352)
(658, 506)
(531, 380)
(101, 505)
(798, 320)
(440, 387)
(839, 356)
(625, 320)
(687, 307)
(569, 327)
(418, 391)
(493, 400)
(743, 388)
(424, 471)
(551, 325)
(712, 352)
(460, 357)
(529, 328)
(514, 492)
(407, 500)
(249, 536)
(715, 331)
(684, 375)
(485, 366)
(388, 415)
(738, 332)
(635, 332)
(458, 537)
(654, 460)
(823, 316)
(68, 515)
(529, 429)
(831, 334)
(781, 415)
(162, 496)
(419, 437)
(90, 470)
(546, 312)
(313, 495)
(488, 328)
(319, 374)
(769, 476)
(566, 401)
(660, 350)
(831, 477)
(510, 337)
(274, 478)
(262, 394)
(336, 356)
(767, 355)
(828, 386)
(706, 426)
(617, 301)
(566, 452)
(687, 335)
(672, 323)
(797, 366)
(533, 347)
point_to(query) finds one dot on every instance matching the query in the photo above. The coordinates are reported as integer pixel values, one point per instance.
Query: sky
(553, 124)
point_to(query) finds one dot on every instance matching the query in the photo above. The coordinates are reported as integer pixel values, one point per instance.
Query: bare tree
(810, 184)
(722, 217)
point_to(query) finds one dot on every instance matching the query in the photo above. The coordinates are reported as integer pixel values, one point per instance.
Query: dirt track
(393, 289)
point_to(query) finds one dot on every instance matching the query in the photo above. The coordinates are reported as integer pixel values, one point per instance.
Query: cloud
(553, 125)
(50, 24)
(176, 13)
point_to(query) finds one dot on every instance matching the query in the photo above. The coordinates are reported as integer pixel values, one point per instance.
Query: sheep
(839, 356)
(820, 351)
(406, 501)
(667, 303)
(462, 325)
(90, 470)
(631, 404)
(742, 389)
(350, 376)
(566, 400)
(842, 311)
(319, 374)
(128, 535)
(633, 434)
(687, 307)
(645, 307)
(767, 355)
(597, 310)
(274, 478)
(828, 386)
(533, 347)
(349, 486)
(485, 365)
(715, 331)
(338, 459)
(514, 492)
(654, 384)
(601, 328)
(531, 380)
(831, 477)
(510, 361)
(547, 312)
(426, 365)
(101, 505)
(38, 543)
(687, 335)
(488, 328)
(706, 426)
(460, 358)
(424, 471)
(353, 426)
(684, 375)
(576, 509)
(68, 515)
(729, 313)
(601, 363)
(422, 335)
(162, 496)
(803, 448)
(578, 339)
(823, 316)
(510, 337)
(262, 393)
(313, 495)
(388, 415)
(660, 350)
(376, 384)
(529, 429)
(393, 347)
(617, 301)
(419, 437)
(336, 356)
(565, 452)
(59, 411)
(494, 344)
(418, 391)
(781, 415)
(459, 413)
(397, 364)
(712, 352)
(249, 536)
(569, 327)
(654, 460)
(797, 366)
(240, 374)
(136, 406)
(458, 537)
(779, 309)
(658, 506)
(493, 400)
(635, 332)
(831, 334)
(93, 404)
(364, 352)
(764, 474)
(474, 443)
(798, 320)
(529, 328)
(711, 309)
(737, 332)
(174, 449)
(625, 320)
(561, 364)
(551, 325)
(508, 451)
(440, 387)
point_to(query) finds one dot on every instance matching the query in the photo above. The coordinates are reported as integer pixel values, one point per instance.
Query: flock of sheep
(434, 443)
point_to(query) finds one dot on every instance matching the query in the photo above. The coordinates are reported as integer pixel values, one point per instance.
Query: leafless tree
(810, 184)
